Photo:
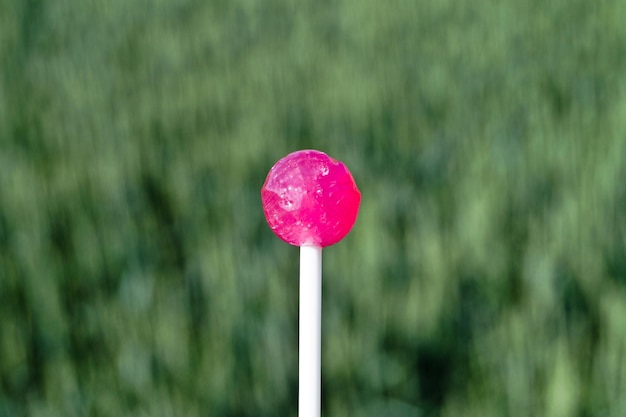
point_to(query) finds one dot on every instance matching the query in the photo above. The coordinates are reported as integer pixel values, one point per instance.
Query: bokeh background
(486, 274)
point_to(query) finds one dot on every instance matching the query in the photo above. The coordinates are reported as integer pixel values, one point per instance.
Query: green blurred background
(486, 274)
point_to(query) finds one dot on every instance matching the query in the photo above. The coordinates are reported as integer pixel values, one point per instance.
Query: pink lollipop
(310, 200)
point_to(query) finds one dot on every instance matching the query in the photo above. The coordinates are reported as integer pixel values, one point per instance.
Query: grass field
(486, 274)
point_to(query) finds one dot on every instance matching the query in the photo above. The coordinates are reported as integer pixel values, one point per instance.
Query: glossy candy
(310, 198)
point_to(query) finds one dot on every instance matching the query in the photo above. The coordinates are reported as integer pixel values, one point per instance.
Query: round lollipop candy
(310, 200)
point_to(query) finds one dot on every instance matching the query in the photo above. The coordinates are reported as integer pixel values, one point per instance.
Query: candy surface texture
(310, 198)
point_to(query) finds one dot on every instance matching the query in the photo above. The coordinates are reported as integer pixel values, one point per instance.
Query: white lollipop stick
(310, 331)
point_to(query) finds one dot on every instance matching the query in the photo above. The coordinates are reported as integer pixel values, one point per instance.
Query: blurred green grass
(486, 275)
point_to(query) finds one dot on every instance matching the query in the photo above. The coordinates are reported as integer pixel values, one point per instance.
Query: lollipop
(310, 200)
